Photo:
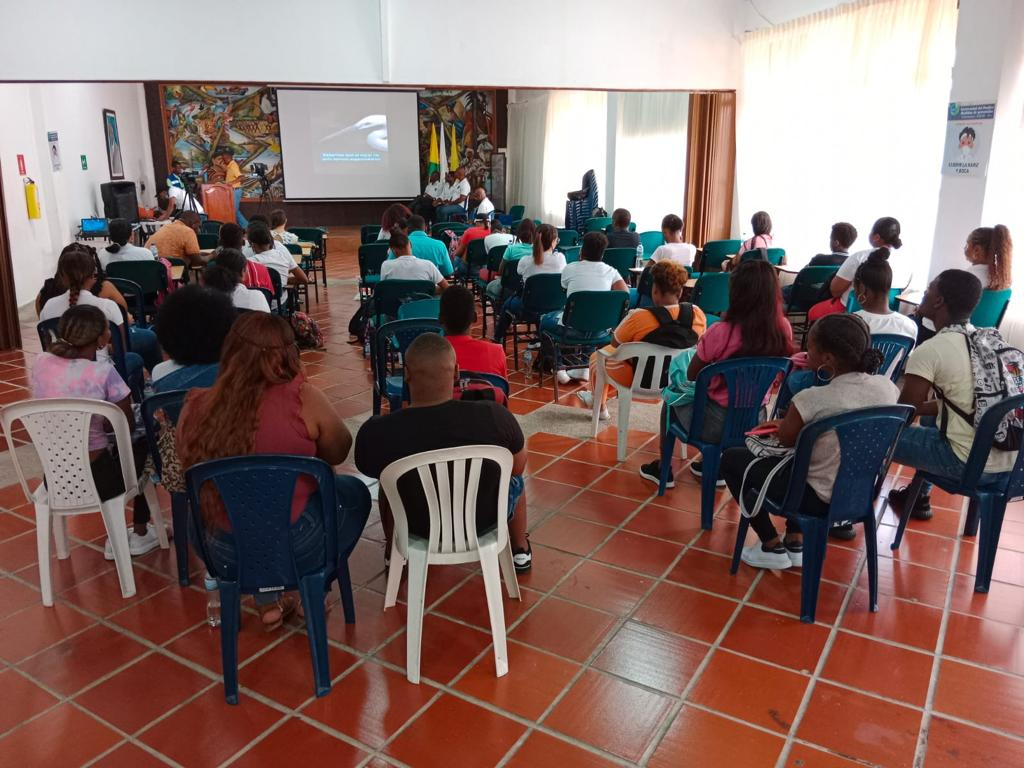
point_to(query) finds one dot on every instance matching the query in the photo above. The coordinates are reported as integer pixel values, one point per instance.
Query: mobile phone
(768, 429)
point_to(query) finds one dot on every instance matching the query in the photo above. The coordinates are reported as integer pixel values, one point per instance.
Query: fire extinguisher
(32, 199)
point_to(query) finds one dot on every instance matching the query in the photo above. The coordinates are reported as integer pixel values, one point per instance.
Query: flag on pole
(434, 163)
(442, 155)
(454, 165)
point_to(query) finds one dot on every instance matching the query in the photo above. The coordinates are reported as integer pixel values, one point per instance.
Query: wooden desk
(911, 297)
(691, 283)
(178, 273)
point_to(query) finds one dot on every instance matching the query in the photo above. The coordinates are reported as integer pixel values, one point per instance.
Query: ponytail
(113, 248)
(74, 268)
(888, 229)
(543, 241)
(998, 247)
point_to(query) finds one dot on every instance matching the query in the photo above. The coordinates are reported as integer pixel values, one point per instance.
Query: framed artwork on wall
(113, 136)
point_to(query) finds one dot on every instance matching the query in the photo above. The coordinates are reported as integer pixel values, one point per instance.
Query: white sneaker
(562, 377)
(588, 400)
(580, 374)
(777, 559)
(137, 545)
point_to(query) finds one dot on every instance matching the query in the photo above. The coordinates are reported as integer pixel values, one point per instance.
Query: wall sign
(51, 139)
(85, 163)
(968, 138)
(21, 165)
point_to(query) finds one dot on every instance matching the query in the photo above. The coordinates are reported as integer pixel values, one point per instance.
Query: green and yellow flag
(434, 163)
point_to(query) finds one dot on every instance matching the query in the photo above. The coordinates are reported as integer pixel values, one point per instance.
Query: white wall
(75, 111)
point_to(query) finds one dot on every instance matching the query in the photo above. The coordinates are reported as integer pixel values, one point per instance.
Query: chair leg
(711, 457)
(230, 617)
(667, 448)
(60, 536)
(741, 539)
(495, 610)
(515, 347)
(149, 491)
(414, 622)
(599, 387)
(992, 510)
(908, 504)
(179, 519)
(43, 522)
(871, 544)
(508, 572)
(345, 587)
(815, 541)
(394, 578)
(311, 589)
(117, 532)
(622, 440)
(971, 522)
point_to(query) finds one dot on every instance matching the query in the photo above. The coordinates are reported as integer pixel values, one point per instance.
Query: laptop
(94, 227)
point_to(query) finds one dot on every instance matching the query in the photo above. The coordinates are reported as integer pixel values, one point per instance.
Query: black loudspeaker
(120, 200)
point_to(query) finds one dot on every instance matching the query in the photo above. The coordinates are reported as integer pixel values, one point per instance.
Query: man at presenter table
(455, 196)
(424, 204)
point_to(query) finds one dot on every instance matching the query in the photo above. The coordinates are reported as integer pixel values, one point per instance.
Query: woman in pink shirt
(754, 326)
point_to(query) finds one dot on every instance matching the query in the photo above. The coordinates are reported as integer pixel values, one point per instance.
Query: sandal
(300, 609)
(273, 614)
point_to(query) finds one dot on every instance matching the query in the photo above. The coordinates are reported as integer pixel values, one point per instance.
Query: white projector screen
(346, 144)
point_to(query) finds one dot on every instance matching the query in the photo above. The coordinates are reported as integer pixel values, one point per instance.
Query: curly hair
(81, 326)
(670, 277)
(847, 337)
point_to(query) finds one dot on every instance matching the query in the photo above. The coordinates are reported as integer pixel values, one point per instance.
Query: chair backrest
(476, 254)
(748, 380)
(210, 227)
(517, 212)
(429, 309)
(807, 286)
(852, 305)
(388, 295)
(47, 332)
(293, 248)
(208, 240)
(368, 233)
(511, 280)
(371, 257)
(133, 295)
(572, 253)
(59, 431)
(896, 349)
(492, 378)
(716, 251)
(494, 257)
(568, 238)
(982, 446)
(275, 280)
(543, 293)
(651, 240)
(257, 493)
(151, 276)
(620, 258)
(866, 438)
(772, 255)
(391, 341)
(458, 227)
(991, 308)
(650, 366)
(450, 479)
(170, 403)
(596, 223)
(595, 311)
(711, 293)
(645, 284)
(314, 235)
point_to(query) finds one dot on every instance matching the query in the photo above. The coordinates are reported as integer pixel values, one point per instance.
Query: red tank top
(282, 429)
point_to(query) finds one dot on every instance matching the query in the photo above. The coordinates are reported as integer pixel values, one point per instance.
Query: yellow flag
(434, 160)
(454, 159)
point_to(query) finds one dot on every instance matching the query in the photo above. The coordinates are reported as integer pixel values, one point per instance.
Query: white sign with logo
(51, 139)
(968, 138)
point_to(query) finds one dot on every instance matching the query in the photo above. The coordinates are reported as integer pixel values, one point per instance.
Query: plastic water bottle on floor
(640, 257)
(212, 601)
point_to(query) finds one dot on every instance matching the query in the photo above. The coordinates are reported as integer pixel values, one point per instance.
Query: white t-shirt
(589, 276)
(434, 189)
(409, 267)
(893, 322)
(980, 271)
(163, 369)
(945, 361)
(58, 305)
(249, 298)
(683, 253)
(484, 207)
(126, 252)
(553, 263)
(284, 236)
(460, 189)
(901, 274)
(498, 238)
(178, 195)
(276, 258)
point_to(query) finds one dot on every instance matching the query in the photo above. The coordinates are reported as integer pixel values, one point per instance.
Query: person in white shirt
(120, 249)
(263, 249)
(884, 234)
(279, 227)
(184, 202)
(498, 236)
(424, 205)
(479, 204)
(545, 259)
(226, 276)
(674, 248)
(455, 197)
(405, 266)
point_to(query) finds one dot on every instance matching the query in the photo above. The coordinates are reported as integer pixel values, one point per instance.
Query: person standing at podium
(225, 158)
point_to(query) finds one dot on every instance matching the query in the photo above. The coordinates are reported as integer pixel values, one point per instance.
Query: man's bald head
(430, 369)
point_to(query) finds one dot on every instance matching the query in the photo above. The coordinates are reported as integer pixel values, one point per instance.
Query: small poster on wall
(968, 138)
(113, 137)
(51, 139)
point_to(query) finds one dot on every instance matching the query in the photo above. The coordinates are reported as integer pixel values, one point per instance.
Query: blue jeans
(143, 343)
(239, 218)
(448, 212)
(510, 311)
(925, 448)
(551, 322)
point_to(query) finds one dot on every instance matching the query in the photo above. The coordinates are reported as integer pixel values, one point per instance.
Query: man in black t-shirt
(620, 236)
(433, 421)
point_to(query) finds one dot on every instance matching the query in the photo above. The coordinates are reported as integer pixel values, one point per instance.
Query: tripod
(190, 203)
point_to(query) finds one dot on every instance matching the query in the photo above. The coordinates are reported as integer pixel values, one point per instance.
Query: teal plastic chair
(317, 258)
(620, 258)
(597, 223)
(711, 293)
(630, 228)
(210, 227)
(208, 241)
(990, 310)
(371, 257)
(476, 259)
(807, 286)
(568, 238)
(310, 267)
(716, 251)
(421, 309)
(774, 255)
(541, 294)
(571, 254)
(517, 212)
(650, 241)
(368, 233)
(852, 305)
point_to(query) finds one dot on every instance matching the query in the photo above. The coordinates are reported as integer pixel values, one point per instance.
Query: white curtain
(650, 155)
(527, 123)
(841, 118)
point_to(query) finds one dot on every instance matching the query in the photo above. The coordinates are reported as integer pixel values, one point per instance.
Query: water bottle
(212, 601)
(640, 257)
(528, 361)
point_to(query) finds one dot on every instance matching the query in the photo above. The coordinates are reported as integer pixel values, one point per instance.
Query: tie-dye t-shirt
(54, 376)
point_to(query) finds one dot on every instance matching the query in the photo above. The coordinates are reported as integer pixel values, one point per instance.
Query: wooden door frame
(10, 326)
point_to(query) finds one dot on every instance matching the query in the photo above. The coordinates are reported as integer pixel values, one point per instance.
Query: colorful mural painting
(200, 119)
(472, 115)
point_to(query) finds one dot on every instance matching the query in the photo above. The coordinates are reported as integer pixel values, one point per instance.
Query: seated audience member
(990, 253)
(522, 245)
(753, 326)
(77, 270)
(102, 288)
(396, 216)
(120, 249)
(456, 196)
(668, 281)
(262, 250)
(942, 365)
(178, 240)
(254, 275)
(478, 231)
(191, 325)
(228, 280)
(70, 368)
(423, 205)
(480, 205)
(162, 210)
(871, 285)
(761, 224)
(498, 236)
(434, 421)
(843, 236)
(279, 227)
(544, 260)
(427, 248)
(262, 403)
(405, 266)
(674, 249)
(620, 236)
(841, 346)
(458, 313)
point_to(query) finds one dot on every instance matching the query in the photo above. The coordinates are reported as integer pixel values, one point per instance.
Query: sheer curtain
(650, 155)
(841, 118)
(527, 124)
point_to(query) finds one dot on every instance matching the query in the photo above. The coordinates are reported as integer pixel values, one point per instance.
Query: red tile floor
(632, 645)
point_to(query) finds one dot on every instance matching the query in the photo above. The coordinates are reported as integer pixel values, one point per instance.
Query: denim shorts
(515, 490)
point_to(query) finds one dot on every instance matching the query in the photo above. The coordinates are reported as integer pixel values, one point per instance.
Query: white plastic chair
(450, 479)
(644, 354)
(59, 429)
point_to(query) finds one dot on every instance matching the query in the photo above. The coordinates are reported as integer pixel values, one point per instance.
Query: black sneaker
(522, 559)
(922, 508)
(842, 532)
(652, 472)
(697, 468)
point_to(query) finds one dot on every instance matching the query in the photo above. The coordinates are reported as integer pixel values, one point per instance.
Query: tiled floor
(632, 644)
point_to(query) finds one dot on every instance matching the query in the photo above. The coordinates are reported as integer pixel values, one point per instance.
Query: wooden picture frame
(115, 159)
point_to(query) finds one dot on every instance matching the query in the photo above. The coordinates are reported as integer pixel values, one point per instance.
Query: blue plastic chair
(748, 380)
(896, 349)
(988, 500)
(388, 346)
(991, 308)
(499, 382)
(257, 495)
(133, 296)
(866, 437)
(170, 403)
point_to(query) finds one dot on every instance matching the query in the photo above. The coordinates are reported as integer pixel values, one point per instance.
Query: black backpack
(674, 334)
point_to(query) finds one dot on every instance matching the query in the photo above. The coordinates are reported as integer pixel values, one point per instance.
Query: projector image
(371, 131)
